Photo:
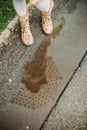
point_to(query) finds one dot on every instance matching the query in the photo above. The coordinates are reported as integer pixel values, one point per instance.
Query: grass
(7, 12)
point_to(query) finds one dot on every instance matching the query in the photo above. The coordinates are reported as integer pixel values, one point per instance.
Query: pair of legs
(45, 7)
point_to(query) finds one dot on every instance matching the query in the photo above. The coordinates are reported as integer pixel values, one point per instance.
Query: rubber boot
(26, 34)
(47, 24)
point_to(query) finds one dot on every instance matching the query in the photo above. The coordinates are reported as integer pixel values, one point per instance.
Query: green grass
(7, 12)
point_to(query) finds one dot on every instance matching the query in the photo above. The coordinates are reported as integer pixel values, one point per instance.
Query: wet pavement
(70, 112)
(33, 78)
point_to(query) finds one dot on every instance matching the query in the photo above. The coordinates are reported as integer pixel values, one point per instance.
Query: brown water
(40, 77)
(35, 71)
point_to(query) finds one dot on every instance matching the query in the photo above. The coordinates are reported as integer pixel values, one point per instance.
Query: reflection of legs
(21, 9)
(46, 7)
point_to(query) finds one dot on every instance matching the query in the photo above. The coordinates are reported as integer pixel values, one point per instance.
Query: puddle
(47, 90)
(40, 77)
(58, 29)
(35, 71)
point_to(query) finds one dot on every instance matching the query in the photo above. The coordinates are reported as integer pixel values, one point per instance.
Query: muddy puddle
(40, 77)
(35, 71)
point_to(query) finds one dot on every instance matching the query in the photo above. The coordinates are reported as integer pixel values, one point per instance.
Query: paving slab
(57, 56)
(70, 113)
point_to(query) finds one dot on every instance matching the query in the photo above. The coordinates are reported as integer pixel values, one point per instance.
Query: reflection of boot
(26, 34)
(46, 20)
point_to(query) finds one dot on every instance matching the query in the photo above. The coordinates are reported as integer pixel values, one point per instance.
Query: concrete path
(70, 112)
(52, 61)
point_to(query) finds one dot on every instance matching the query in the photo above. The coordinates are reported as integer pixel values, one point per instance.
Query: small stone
(79, 68)
(1, 49)
(0, 62)
(1, 45)
(10, 80)
(6, 42)
(27, 127)
(10, 43)
(57, 82)
(66, 11)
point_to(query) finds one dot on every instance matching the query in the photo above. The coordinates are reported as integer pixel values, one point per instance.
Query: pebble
(10, 43)
(1, 49)
(41, 48)
(27, 127)
(10, 80)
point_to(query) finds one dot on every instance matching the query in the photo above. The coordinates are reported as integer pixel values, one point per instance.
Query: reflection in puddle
(57, 29)
(40, 79)
(34, 71)
(22, 96)
(35, 75)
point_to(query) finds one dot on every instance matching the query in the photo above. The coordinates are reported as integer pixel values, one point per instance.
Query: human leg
(46, 7)
(21, 9)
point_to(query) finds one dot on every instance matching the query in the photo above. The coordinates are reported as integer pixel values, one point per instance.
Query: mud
(34, 72)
